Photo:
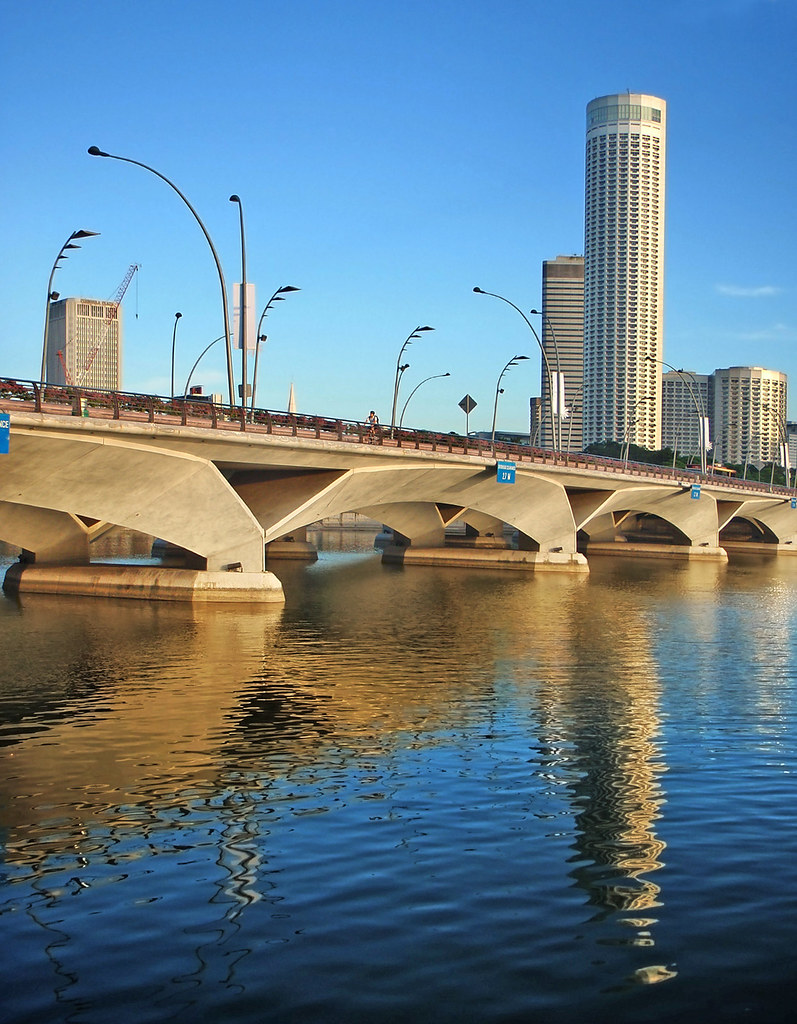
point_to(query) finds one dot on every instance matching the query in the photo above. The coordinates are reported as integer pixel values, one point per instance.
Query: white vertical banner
(251, 325)
(784, 455)
(703, 430)
(558, 403)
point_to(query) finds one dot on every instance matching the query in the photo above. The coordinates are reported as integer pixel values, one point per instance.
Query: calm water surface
(409, 795)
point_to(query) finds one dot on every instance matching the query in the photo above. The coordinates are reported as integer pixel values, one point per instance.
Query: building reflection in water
(186, 728)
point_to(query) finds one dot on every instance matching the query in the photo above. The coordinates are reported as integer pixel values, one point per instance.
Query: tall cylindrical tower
(624, 268)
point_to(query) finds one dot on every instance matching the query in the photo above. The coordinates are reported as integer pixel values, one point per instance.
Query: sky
(389, 157)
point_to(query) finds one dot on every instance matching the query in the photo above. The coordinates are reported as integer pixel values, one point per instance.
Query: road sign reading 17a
(505, 472)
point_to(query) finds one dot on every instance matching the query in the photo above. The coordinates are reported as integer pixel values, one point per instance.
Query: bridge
(234, 490)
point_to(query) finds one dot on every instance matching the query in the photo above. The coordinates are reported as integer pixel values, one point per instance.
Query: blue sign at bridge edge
(695, 491)
(505, 472)
(5, 432)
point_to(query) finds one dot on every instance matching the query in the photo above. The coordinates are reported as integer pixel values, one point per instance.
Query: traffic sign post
(5, 432)
(695, 492)
(467, 405)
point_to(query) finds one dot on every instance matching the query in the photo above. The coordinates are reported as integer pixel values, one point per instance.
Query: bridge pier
(143, 582)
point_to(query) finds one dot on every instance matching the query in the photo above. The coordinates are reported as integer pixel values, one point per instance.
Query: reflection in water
(402, 784)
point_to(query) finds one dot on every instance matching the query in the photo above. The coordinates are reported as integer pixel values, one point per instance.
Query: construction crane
(111, 315)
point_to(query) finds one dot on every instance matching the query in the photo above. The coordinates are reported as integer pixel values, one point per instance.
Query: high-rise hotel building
(624, 268)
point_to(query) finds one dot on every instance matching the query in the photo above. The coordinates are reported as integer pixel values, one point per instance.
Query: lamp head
(177, 316)
(235, 199)
(536, 312)
(83, 233)
(96, 151)
(55, 296)
(424, 328)
(287, 288)
(479, 291)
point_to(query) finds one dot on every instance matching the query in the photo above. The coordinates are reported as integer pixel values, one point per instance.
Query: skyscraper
(749, 414)
(624, 268)
(85, 343)
(563, 344)
(686, 397)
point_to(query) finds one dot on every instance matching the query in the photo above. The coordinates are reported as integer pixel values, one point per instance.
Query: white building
(563, 345)
(84, 344)
(749, 414)
(624, 268)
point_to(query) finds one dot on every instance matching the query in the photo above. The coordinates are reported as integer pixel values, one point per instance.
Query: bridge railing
(129, 406)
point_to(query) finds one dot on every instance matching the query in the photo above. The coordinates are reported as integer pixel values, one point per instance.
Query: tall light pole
(96, 151)
(174, 342)
(278, 296)
(54, 296)
(627, 435)
(702, 419)
(242, 321)
(204, 350)
(400, 370)
(433, 377)
(560, 382)
(480, 291)
(499, 391)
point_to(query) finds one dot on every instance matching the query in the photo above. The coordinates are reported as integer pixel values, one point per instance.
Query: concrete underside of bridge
(229, 499)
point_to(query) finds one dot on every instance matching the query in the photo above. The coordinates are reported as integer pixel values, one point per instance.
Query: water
(410, 795)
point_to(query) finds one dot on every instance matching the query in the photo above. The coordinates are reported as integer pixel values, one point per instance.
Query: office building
(563, 345)
(84, 343)
(624, 268)
(749, 414)
(685, 397)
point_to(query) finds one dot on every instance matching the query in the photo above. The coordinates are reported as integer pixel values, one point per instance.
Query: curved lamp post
(54, 296)
(96, 151)
(400, 370)
(499, 391)
(699, 407)
(559, 378)
(204, 350)
(481, 291)
(433, 377)
(278, 296)
(174, 342)
(242, 315)
(627, 435)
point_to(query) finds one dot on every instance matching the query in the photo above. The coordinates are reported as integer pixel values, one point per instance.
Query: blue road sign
(695, 491)
(505, 472)
(5, 432)
(794, 502)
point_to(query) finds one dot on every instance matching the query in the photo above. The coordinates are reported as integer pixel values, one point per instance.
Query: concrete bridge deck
(228, 491)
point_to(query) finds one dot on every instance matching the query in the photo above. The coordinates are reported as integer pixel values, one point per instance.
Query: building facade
(685, 397)
(624, 268)
(563, 345)
(749, 414)
(84, 344)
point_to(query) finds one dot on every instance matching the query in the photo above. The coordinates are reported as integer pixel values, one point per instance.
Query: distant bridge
(228, 488)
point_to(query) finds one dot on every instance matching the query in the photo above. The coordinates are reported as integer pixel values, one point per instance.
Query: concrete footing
(144, 582)
(487, 558)
(672, 551)
(299, 550)
(752, 547)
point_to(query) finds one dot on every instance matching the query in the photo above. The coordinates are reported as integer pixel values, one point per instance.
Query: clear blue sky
(390, 156)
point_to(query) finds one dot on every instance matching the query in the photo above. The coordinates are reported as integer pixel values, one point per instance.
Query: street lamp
(54, 296)
(480, 291)
(627, 435)
(204, 350)
(499, 391)
(242, 315)
(400, 369)
(96, 151)
(278, 296)
(174, 341)
(560, 398)
(433, 377)
(702, 419)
